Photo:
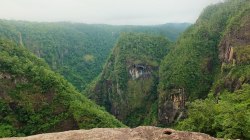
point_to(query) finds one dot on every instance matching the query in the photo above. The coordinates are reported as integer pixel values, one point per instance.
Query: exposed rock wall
(237, 35)
(172, 107)
(139, 70)
(234, 53)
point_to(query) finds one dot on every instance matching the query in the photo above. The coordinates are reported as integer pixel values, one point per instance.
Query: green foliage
(7, 131)
(221, 32)
(89, 58)
(194, 61)
(131, 100)
(235, 71)
(34, 99)
(151, 117)
(225, 113)
(229, 118)
(76, 51)
(242, 54)
(90, 118)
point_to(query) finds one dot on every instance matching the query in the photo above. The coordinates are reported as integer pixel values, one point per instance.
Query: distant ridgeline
(34, 99)
(77, 51)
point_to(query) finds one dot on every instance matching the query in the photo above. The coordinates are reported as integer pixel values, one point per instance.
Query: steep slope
(225, 113)
(77, 51)
(73, 50)
(127, 87)
(34, 99)
(189, 70)
(227, 117)
(234, 53)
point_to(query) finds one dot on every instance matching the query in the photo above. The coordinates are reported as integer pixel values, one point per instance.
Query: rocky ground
(139, 133)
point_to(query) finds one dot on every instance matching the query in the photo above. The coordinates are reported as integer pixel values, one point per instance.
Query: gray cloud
(141, 12)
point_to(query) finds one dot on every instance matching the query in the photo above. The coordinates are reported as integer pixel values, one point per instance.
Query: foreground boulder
(139, 133)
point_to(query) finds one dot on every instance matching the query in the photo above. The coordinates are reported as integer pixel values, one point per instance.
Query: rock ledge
(139, 133)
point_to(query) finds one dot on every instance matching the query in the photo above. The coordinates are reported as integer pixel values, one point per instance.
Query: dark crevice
(167, 132)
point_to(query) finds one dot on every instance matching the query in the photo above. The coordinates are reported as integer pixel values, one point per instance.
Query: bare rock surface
(139, 133)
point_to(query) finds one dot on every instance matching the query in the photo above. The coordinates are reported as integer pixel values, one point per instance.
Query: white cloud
(104, 11)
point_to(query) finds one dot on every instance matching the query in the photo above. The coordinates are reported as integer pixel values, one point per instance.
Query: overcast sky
(120, 12)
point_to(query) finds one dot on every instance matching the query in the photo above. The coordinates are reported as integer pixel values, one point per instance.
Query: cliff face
(139, 133)
(237, 37)
(173, 107)
(140, 71)
(127, 85)
(218, 40)
(234, 54)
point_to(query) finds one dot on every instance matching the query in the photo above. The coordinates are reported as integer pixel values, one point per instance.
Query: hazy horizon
(113, 12)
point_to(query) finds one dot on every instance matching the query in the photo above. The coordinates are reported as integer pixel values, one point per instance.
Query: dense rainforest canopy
(143, 75)
(127, 86)
(212, 58)
(77, 51)
(34, 99)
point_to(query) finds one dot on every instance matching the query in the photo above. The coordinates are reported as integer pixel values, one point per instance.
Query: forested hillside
(226, 112)
(143, 75)
(127, 87)
(34, 99)
(211, 56)
(77, 51)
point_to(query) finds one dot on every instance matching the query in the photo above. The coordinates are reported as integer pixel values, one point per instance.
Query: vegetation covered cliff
(209, 61)
(34, 99)
(200, 83)
(225, 113)
(127, 87)
(212, 57)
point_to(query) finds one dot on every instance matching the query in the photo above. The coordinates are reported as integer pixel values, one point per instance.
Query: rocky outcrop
(236, 38)
(172, 108)
(234, 54)
(139, 133)
(139, 70)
